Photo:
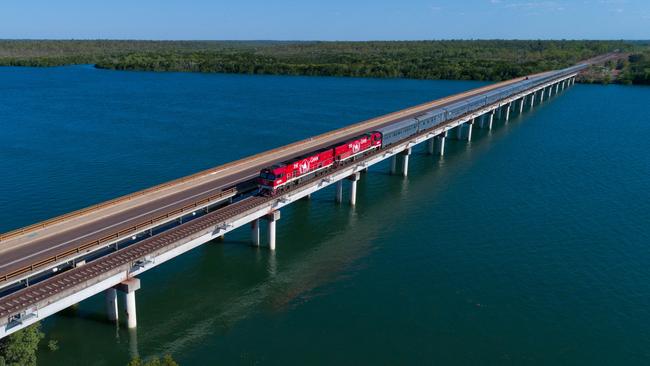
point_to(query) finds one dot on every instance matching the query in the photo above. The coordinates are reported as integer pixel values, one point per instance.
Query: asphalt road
(40, 244)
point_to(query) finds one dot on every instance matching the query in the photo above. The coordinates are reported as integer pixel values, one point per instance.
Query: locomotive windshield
(267, 176)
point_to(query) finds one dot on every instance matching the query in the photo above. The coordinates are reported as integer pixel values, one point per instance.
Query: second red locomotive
(280, 176)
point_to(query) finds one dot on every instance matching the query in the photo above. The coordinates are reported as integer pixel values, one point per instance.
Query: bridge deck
(22, 249)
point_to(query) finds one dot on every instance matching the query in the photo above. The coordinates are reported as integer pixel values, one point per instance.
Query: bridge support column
(459, 131)
(440, 142)
(131, 319)
(430, 146)
(255, 232)
(508, 111)
(405, 162)
(339, 191)
(271, 218)
(521, 105)
(550, 91)
(393, 164)
(469, 130)
(532, 100)
(129, 287)
(487, 122)
(498, 110)
(557, 88)
(541, 96)
(111, 304)
(353, 188)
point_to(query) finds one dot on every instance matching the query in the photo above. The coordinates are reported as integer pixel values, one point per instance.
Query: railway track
(16, 271)
(135, 252)
(22, 299)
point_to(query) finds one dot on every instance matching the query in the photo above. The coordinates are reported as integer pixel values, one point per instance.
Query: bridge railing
(118, 235)
(463, 108)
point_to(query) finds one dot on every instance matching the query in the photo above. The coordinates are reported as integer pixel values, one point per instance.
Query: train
(282, 176)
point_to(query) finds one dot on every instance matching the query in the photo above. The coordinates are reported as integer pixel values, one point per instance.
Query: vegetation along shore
(492, 60)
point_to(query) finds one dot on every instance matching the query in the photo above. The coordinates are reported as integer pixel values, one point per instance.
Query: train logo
(356, 147)
(303, 166)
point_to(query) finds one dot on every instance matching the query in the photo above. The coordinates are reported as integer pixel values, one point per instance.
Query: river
(529, 245)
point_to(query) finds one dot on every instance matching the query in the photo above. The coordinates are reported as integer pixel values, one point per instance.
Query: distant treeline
(476, 60)
(637, 70)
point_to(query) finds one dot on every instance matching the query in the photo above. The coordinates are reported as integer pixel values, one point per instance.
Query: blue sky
(325, 20)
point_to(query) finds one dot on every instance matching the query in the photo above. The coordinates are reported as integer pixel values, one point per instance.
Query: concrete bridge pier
(499, 108)
(255, 232)
(353, 187)
(541, 96)
(339, 191)
(271, 218)
(129, 287)
(532, 100)
(469, 130)
(507, 113)
(459, 131)
(557, 88)
(111, 304)
(490, 121)
(440, 143)
(405, 162)
(522, 101)
(430, 146)
(393, 164)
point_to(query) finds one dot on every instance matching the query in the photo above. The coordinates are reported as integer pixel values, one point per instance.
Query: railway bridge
(51, 265)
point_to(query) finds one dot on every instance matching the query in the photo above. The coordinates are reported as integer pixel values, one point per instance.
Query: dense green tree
(454, 59)
(19, 348)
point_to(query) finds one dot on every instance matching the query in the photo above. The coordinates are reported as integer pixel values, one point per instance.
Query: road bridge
(51, 265)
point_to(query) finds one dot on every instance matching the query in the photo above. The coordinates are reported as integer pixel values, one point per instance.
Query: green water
(528, 245)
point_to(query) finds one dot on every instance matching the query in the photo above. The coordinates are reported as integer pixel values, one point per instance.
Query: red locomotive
(280, 176)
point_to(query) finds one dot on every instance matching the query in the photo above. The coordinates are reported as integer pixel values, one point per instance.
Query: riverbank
(491, 60)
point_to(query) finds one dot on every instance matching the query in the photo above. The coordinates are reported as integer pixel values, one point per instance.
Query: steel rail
(24, 298)
(161, 219)
(392, 117)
